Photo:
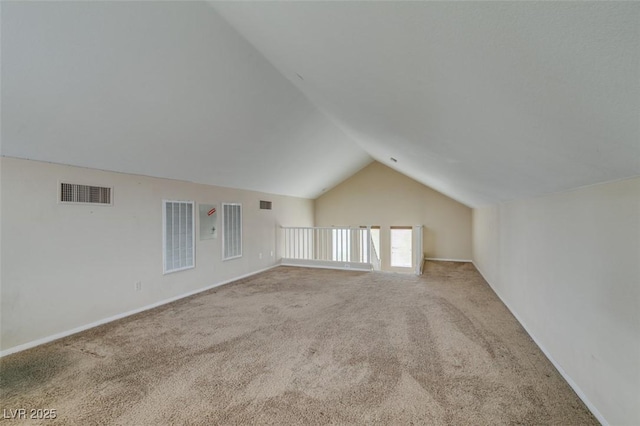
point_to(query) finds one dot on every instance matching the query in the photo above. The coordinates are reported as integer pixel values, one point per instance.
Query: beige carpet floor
(304, 346)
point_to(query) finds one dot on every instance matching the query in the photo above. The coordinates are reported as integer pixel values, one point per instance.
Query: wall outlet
(271, 253)
(138, 286)
(260, 256)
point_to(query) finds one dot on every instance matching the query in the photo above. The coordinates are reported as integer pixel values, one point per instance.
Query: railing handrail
(374, 257)
(323, 227)
(340, 245)
(348, 244)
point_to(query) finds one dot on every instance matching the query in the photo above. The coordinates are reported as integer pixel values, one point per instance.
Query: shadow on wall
(428, 242)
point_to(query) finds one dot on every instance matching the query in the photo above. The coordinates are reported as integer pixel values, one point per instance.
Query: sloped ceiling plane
(483, 101)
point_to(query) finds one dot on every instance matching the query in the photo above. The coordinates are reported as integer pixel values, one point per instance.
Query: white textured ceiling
(163, 89)
(484, 101)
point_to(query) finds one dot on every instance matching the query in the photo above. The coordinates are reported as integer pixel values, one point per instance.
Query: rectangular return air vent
(265, 205)
(84, 194)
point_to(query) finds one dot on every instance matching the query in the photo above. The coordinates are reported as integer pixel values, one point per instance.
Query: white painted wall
(568, 266)
(65, 266)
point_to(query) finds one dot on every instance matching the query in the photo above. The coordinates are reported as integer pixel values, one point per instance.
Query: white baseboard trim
(448, 260)
(352, 266)
(66, 333)
(563, 373)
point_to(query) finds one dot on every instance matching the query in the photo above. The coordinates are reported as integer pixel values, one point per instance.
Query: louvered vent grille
(265, 205)
(75, 193)
(231, 231)
(179, 229)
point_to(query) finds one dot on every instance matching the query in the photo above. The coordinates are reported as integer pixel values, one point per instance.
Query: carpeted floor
(304, 346)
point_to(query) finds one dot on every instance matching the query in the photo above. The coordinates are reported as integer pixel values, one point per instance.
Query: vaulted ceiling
(483, 101)
(165, 89)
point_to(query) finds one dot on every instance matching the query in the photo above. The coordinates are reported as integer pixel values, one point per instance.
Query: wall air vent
(84, 194)
(265, 205)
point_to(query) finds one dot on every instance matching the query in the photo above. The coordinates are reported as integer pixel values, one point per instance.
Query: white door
(401, 246)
